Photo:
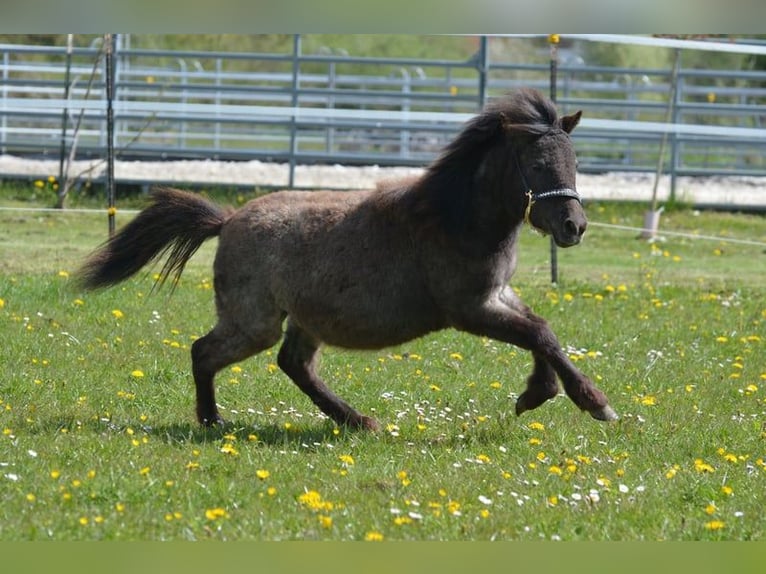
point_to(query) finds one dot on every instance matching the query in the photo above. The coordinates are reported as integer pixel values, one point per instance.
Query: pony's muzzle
(575, 229)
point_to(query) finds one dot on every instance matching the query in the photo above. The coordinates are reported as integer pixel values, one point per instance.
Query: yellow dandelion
(701, 466)
(553, 469)
(373, 536)
(536, 426)
(715, 525)
(710, 508)
(216, 513)
(262, 474)
(649, 400)
(325, 521)
(312, 500)
(137, 374)
(456, 356)
(117, 314)
(347, 459)
(727, 490)
(63, 274)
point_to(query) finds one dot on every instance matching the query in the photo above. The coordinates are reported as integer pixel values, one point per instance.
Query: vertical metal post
(217, 101)
(677, 96)
(4, 124)
(670, 116)
(330, 134)
(553, 40)
(110, 192)
(65, 111)
(404, 135)
(294, 103)
(483, 70)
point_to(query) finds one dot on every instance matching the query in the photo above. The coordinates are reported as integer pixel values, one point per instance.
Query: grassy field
(98, 438)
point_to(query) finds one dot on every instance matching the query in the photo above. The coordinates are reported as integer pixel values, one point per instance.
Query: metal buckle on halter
(533, 198)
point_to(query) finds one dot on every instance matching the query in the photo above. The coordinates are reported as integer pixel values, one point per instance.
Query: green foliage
(98, 439)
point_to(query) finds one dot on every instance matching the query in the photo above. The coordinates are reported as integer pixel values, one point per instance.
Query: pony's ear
(570, 122)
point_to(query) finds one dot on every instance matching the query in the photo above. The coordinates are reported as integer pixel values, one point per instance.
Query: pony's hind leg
(224, 345)
(298, 358)
(541, 386)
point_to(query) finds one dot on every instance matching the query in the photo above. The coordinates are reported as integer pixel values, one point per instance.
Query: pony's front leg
(541, 386)
(504, 318)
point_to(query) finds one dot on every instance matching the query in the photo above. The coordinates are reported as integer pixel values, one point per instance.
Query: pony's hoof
(521, 406)
(213, 421)
(369, 424)
(605, 413)
(363, 423)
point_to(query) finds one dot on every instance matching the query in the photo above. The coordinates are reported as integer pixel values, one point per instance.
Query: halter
(533, 197)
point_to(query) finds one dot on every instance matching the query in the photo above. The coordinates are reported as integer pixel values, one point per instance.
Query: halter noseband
(533, 197)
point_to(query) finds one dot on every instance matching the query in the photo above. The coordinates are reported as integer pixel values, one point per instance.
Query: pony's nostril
(575, 229)
(571, 228)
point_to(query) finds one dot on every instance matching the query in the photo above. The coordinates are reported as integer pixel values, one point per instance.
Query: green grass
(98, 438)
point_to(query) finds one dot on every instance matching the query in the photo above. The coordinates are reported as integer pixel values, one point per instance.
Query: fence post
(110, 195)
(65, 107)
(4, 126)
(483, 65)
(553, 40)
(294, 103)
(677, 97)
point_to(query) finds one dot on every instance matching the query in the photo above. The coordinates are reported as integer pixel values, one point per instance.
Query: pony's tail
(176, 223)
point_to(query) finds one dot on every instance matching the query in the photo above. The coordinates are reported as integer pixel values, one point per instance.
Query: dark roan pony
(371, 269)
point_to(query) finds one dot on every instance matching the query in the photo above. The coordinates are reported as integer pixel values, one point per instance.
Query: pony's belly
(366, 326)
(359, 337)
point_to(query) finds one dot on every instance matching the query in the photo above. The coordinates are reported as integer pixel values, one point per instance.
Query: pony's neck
(469, 202)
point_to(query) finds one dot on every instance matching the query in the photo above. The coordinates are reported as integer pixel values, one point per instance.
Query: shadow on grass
(269, 434)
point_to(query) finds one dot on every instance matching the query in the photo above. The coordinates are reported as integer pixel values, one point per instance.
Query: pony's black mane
(443, 195)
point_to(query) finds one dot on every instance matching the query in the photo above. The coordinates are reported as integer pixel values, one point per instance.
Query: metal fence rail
(329, 108)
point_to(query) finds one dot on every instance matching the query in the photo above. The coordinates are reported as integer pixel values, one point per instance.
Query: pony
(375, 268)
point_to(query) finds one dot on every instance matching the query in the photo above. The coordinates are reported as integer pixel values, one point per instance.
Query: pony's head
(543, 158)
